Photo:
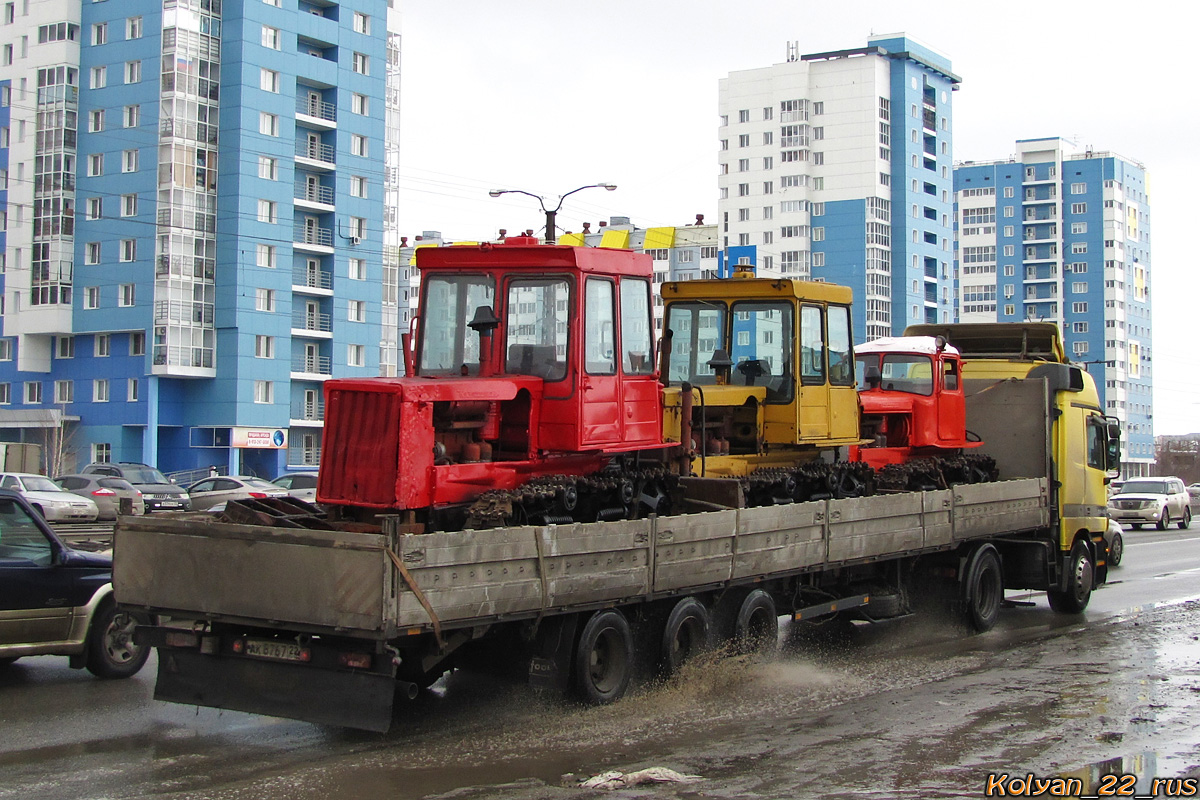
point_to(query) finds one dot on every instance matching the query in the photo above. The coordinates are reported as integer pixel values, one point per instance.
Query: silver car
(107, 493)
(49, 499)
(222, 488)
(1151, 501)
(301, 485)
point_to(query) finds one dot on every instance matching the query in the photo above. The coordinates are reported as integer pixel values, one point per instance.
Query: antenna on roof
(793, 51)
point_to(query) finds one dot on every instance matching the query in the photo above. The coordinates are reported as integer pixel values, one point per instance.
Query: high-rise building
(1062, 233)
(196, 230)
(836, 166)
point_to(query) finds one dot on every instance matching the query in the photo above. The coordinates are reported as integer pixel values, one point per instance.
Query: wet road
(909, 709)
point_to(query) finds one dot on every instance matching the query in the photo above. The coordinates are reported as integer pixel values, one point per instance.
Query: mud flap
(360, 700)
(554, 644)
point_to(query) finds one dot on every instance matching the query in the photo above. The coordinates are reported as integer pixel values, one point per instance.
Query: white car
(221, 489)
(1151, 501)
(301, 485)
(54, 503)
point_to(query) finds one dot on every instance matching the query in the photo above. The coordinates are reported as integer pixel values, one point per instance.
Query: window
(133, 27)
(358, 269)
(133, 71)
(358, 145)
(1078, 227)
(818, 259)
(268, 80)
(129, 203)
(744, 115)
(102, 452)
(129, 250)
(1079, 287)
(103, 347)
(95, 207)
(65, 348)
(128, 295)
(358, 186)
(264, 299)
(266, 255)
(359, 104)
(743, 165)
(91, 296)
(268, 168)
(100, 33)
(743, 214)
(264, 346)
(137, 343)
(355, 355)
(6, 350)
(131, 390)
(268, 124)
(1010, 250)
(818, 209)
(1079, 308)
(1078, 247)
(99, 78)
(818, 234)
(96, 121)
(1079, 348)
(268, 211)
(5, 394)
(357, 311)
(1078, 208)
(743, 190)
(1078, 188)
(358, 227)
(744, 140)
(360, 63)
(271, 38)
(264, 392)
(362, 23)
(33, 392)
(64, 391)
(100, 390)
(129, 161)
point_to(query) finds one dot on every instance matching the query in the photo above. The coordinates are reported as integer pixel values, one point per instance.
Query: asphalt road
(911, 709)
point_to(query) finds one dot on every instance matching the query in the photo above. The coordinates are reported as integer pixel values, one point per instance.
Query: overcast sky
(549, 95)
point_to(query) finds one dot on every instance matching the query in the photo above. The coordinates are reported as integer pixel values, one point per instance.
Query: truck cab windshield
(698, 331)
(898, 373)
(448, 346)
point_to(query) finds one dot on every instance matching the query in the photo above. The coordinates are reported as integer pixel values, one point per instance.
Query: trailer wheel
(685, 635)
(604, 658)
(1080, 575)
(757, 625)
(983, 589)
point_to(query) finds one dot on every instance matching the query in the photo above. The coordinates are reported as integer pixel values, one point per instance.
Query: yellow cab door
(814, 392)
(842, 400)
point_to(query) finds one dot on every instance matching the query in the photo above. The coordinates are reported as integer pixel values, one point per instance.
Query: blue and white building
(836, 166)
(195, 233)
(1061, 233)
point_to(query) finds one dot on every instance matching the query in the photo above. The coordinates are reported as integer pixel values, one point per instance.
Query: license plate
(280, 651)
(169, 504)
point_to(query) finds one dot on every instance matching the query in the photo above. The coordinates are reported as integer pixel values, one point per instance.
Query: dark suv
(158, 493)
(58, 601)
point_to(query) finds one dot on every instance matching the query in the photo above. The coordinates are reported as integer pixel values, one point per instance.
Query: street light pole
(551, 213)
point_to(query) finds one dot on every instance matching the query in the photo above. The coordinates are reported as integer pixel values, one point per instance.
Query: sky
(549, 95)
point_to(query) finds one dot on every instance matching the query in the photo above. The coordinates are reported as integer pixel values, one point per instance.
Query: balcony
(312, 324)
(320, 197)
(311, 368)
(929, 119)
(312, 281)
(316, 154)
(308, 411)
(315, 113)
(304, 457)
(313, 237)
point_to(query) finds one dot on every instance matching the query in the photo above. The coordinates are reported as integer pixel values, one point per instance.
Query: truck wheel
(757, 625)
(111, 652)
(983, 589)
(1080, 574)
(685, 635)
(604, 658)
(1164, 521)
(1186, 520)
(1116, 549)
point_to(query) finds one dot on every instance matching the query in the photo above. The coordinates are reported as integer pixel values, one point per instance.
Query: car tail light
(258, 495)
(103, 493)
(239, 645)
(355, 660)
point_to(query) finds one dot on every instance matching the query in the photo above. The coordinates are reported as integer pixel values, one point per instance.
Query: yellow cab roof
(756, 288)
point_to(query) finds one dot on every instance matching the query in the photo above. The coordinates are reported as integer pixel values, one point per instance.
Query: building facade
(837, 166)
(1062, 234)
(195, 225)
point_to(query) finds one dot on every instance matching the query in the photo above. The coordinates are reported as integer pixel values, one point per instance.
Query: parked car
(107, 493)
(1114, 541)
(59, 601)
(223, 488)
(301, 485)
(158, 493)
(47, 498)
(1157, 501)
(1193, 490)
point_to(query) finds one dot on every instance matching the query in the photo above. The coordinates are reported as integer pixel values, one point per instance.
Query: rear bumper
(352, 699)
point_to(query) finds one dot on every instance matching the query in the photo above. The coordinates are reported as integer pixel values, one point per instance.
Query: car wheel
(1116, 550)
(1164, 521)
(1186, 520)
(111, 651)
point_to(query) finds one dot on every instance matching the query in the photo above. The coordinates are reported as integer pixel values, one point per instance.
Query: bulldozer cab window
(448, 346)
(841, 354)
(599, 328)
(636, 348)
(761, 348)
(812, 346)
(536, 334)
(698, 330)
(907, 373)
(950, 375)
